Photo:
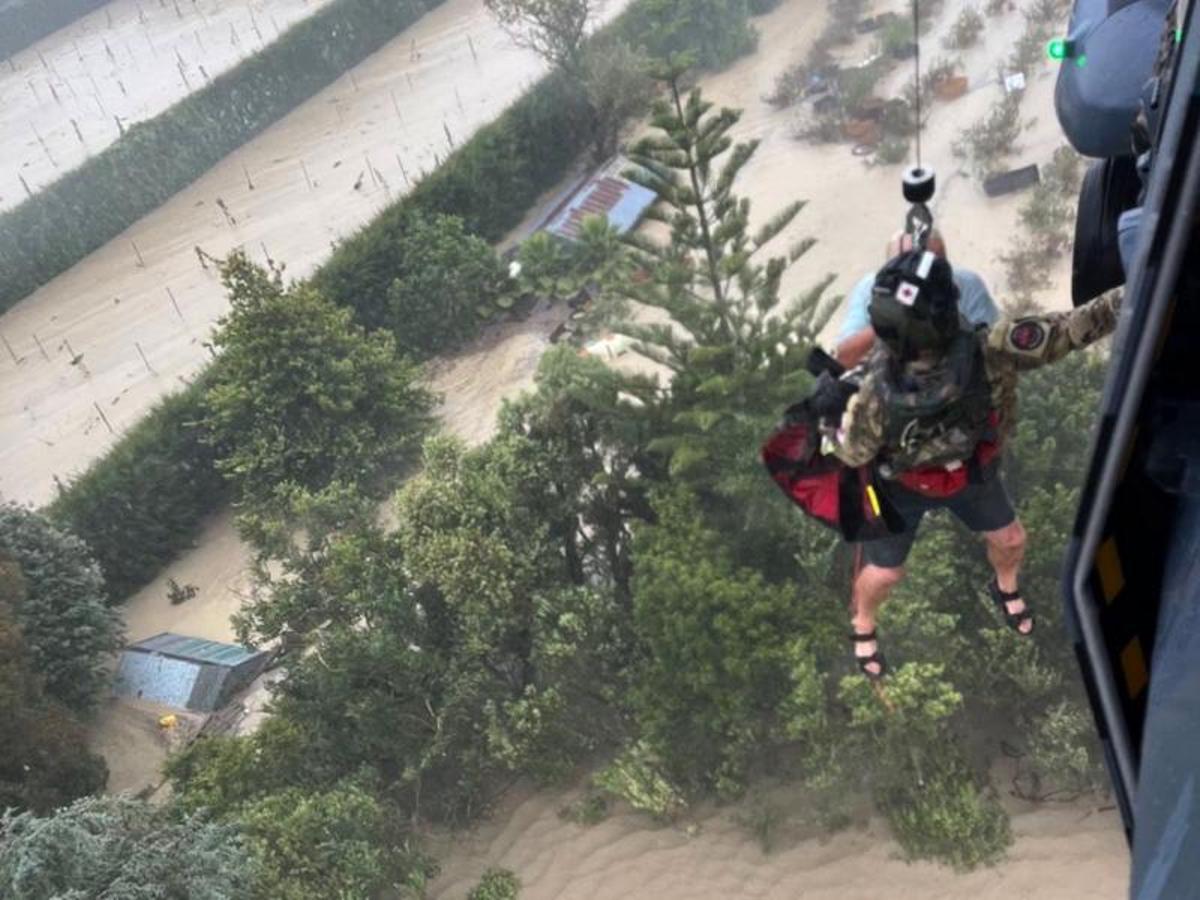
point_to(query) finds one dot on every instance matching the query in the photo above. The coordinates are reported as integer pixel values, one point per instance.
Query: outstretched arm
(858, 437)
(1033, 341)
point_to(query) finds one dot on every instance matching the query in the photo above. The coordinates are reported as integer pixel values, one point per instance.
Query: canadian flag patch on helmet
(907, 293)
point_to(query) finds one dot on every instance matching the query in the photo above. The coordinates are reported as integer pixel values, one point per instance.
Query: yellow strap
(873, 499)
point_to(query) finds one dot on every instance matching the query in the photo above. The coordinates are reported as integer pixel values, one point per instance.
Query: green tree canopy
(304, 396)
(69, 631)
(44, 760)
(448, 281)
(715, 637)
(120, 848)
(732, 349)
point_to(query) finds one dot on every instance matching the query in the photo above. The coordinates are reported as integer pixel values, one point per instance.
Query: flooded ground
(74, 92)
(136, 314)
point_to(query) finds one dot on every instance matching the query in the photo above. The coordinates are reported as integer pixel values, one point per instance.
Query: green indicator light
(1178, 35)
(1081, 62)
(1060, 49)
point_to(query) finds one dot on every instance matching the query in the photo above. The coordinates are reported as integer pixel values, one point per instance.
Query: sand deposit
(1061, 852)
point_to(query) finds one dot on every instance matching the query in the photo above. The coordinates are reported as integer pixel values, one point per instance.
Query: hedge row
(23, 24)
(142, 504)
(95, 202)
(493, 180)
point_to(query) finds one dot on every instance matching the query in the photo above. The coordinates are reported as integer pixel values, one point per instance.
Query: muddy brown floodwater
(319, 174)
(125, 62)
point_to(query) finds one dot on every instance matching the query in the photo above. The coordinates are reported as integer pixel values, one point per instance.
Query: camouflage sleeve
(859, 436)
(1032, 341)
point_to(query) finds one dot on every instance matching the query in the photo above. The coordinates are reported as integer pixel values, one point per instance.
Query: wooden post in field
(141, 262)
(175, 303)
(16, 359)
(304, 169)
(145, 362)
(103, 417)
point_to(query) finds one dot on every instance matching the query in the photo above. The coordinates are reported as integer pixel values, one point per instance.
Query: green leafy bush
(716, 32)
(314, 845)
(891, 151)
(92, 204)
(496, 884)
(944, 815)
(444, 280)
(69, 630)
(992, 138)
(637, 777)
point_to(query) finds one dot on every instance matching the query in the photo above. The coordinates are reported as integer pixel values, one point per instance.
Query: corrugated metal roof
(195, 649)
(617, 199)
(163, 679)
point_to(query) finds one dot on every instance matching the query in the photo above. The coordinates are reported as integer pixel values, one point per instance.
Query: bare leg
(871, 588)
(1006, 552)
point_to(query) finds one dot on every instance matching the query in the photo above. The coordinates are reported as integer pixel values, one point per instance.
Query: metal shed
(186, 672)
(607, 194)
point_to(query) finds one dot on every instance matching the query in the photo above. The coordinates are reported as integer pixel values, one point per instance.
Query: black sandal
(1011, 619)
(864, 661)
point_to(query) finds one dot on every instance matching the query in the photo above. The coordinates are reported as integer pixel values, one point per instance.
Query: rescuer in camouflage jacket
(929, 409)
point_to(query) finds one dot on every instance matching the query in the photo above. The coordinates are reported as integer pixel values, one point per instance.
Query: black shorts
(984, 506)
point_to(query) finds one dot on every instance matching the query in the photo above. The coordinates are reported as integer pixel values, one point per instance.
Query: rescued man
(856, 335)
(929, 409)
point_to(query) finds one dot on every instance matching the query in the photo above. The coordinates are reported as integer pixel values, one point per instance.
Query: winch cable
(916, 16)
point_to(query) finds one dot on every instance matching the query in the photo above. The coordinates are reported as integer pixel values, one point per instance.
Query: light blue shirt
(974, 302)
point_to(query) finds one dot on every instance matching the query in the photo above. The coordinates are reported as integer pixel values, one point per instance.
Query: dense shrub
(92, 204)
(22, 24)
(947, 816)
(496, 884)
(305, 396)
(444, 282)
(69, 630)
(120, 847)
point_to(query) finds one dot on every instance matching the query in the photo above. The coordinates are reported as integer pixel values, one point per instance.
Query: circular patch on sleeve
(1027, 336)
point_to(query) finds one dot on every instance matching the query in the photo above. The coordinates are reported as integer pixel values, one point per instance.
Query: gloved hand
(830, 396)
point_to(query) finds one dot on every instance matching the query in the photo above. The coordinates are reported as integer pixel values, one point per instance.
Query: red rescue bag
(836, 495)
